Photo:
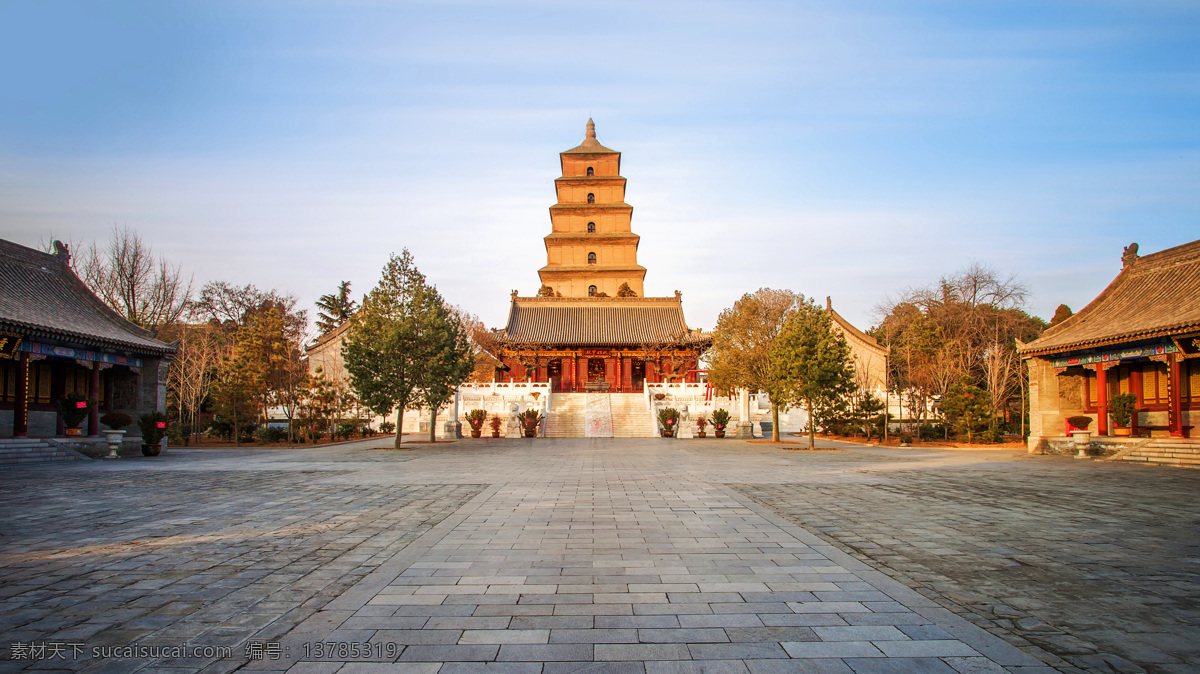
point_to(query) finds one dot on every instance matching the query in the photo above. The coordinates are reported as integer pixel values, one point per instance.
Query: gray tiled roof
(41, 296)
(1154, 296)
(597, 320)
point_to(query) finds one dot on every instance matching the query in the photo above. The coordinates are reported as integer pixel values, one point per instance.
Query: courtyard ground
(599, 555)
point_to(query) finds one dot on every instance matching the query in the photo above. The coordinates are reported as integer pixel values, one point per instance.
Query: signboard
(81, 405)
(596, 352)
(9, 344)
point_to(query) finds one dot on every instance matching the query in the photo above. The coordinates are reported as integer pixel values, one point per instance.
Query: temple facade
(1140, 336)
(589, 328)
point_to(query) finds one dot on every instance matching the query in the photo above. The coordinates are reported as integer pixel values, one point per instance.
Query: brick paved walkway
(545, 556)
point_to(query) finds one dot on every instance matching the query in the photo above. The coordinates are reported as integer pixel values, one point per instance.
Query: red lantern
(81, 405)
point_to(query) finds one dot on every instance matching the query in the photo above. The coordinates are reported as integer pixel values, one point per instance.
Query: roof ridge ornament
(1129, 256)
(591, 131)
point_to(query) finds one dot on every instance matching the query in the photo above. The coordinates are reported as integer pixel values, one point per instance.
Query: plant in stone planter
(476, 418)
(115, 435)
(74, 407)
(720, 422)
(154, 427)
(669, 418)
(496, 423)
(1122, 407)
(529, 421)
(701, 423)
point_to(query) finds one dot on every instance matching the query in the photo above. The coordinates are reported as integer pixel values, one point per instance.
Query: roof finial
(828, 303)
(1129, 255)
(591, 129)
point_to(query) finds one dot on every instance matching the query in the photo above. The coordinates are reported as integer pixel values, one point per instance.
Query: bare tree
(126, 275)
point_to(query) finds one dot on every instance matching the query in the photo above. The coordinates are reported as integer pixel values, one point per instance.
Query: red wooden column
(21, 408)
(626, 373)
(94, 400)
(1102, 398)
(1135, 385)
(611, 373)
(1175, 404)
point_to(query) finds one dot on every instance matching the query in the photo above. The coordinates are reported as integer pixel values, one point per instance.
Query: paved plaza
(599, 555)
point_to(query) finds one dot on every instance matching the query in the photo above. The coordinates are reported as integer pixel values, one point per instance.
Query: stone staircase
(20, 451)
(1180, 452)
(566, 415)
(629, 416)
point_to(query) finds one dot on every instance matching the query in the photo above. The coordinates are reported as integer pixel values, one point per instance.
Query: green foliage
(701, 423)
(387, 427)
(668, 418)
(966, 407)
(269, 435)
(346, 429)
(476, 418)
(1062, 313)
(72, 414)
(148, 423)
(405, 348)
(720, 419)
(1122, 407)
(116, 420)
(335, 308)
(1080, 422)
(810, 365)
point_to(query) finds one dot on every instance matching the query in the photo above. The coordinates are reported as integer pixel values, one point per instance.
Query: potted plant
(476, 418)
(530, 420)
(496, 422)
(701, 422)
(154, 427)
(660, 396)
(1079, 432)
(74, 407)
(116, 422)
(1122, 407)
(720, 422)
(669, 418)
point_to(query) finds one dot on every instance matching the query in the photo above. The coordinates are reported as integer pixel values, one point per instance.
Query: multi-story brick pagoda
(589, 327)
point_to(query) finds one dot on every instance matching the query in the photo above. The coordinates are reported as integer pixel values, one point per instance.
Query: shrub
(476, 419)
(387, 427)
(268, 435)
(669, 418)
(701, 422)
(222, 429)
(151, 432)
(496, 422)
(247, 433)
(720, 419)
(1080, 422)
(1122, 406)
(346, 429)
(72, 411)
(116, 420)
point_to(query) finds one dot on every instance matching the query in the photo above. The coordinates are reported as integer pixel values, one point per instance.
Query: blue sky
(835, 148)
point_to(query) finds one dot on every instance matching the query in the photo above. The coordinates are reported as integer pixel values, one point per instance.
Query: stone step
(34, 451)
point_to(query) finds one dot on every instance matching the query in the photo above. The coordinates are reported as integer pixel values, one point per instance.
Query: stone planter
(660, 396)
(701, 434)
(495, 434)
(1121, 432)
(114, 440)
(1082, 439)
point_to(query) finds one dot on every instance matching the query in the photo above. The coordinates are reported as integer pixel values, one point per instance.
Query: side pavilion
(1140, 336)
(56, 337)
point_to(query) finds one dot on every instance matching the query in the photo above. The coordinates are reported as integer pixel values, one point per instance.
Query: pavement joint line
(988, 644)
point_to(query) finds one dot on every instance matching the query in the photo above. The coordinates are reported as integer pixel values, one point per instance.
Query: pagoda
(590, 328)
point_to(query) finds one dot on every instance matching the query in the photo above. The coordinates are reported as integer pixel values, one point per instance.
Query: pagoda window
(591, 258)
(591, 291)
(591, 228)
(591, 172)
(591, 198)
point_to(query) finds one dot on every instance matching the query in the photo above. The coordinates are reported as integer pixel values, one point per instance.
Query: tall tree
(740, 356)
(335, 308)
(389, 345)
(810, 364)
(450, 360)
(129, 278)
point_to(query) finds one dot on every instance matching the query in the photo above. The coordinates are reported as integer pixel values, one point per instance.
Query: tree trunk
(812, 425)
(774, 422)
(399, 424)
(433, 425)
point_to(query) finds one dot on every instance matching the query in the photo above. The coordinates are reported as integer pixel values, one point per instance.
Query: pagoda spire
(591, 131)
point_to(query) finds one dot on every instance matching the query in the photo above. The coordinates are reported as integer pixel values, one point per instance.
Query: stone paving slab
(595, 555)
